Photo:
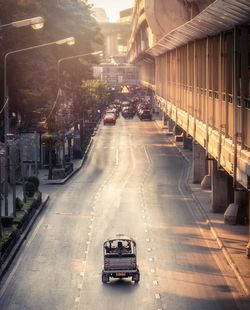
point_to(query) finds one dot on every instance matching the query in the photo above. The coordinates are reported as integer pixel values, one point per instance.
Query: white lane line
(147, 239)
(88, 242)
(146, 231)
(77, 299)
(90, 226)
(149, 249)
(82, 274)
(117, 157)
(147, 155)
(155, 282)
(152, 270)
(151, 259)
(157, 296)
(79, 286)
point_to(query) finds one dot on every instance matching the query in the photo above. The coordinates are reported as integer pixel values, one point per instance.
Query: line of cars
(128, 110)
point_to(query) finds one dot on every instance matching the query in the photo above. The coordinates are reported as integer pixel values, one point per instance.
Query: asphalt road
(134, 182)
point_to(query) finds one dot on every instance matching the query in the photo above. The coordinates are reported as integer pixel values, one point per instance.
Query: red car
(109, 119)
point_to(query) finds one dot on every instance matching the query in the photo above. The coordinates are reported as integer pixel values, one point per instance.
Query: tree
(32, 76)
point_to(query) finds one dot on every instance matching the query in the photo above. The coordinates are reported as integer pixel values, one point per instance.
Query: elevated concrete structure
(194, 55)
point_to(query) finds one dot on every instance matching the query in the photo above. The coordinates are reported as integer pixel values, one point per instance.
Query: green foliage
(29, 189)
(35, 181)
(19, 204)
(32, 75)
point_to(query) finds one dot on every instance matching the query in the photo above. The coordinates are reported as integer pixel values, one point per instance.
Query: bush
(29, 189)
(7, 221)
(35, 181)
(19, 204)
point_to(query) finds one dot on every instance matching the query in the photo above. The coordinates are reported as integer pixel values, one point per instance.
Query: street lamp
(35, 23)
(68, 41)
(75, 57)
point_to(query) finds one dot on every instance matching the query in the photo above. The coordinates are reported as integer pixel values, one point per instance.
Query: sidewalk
(232, 239)
(43, 177)
(78, 163)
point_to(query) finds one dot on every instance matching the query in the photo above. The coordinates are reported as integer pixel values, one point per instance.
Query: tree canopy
(32, 75)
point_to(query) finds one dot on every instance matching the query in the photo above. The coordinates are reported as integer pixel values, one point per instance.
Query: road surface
(134, 182)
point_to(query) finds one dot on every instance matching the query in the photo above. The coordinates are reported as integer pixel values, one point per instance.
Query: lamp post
(69, 41)
(73, 57)
(34, 22)
(58, 81)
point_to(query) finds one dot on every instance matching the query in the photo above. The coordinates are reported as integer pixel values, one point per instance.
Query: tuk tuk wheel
(105, 278)
(136, 277)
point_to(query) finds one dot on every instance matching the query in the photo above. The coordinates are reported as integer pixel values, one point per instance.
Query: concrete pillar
(178, 132)
(187, 141)
(237, 212)
(207, 180)
(164, 119)
(199, 168)
(171, 125)
(222, 188)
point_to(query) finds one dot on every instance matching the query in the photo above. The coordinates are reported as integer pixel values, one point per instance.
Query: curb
(220, 243)
(22, 238)
(63, 181)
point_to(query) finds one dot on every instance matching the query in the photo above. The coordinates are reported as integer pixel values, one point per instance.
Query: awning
(219, 16)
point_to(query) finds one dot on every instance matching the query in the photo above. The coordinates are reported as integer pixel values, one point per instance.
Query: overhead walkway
(195, 58)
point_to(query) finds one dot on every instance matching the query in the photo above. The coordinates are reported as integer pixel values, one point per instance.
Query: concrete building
(195, 57)
(100, 15)
(115, 70)
(117, 75)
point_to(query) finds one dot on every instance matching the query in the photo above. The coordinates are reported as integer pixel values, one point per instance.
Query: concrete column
(187, 141)
(178, 132)
(206, 182)
(237, 212)
(171, 125)
(199, 163)
(222, 188)
(164, 119)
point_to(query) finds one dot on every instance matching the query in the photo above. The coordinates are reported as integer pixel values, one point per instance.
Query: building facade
(195, 56)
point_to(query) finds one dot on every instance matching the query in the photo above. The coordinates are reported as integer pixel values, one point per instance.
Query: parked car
(120, 259)
(109, 119)
(145, 115)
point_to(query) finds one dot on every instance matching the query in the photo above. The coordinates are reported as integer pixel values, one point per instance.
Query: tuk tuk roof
(120, 237)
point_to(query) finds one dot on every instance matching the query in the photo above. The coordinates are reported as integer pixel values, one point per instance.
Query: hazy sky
(113, 7)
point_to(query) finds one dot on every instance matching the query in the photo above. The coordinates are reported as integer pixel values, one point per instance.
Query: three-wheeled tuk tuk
(120, 259)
